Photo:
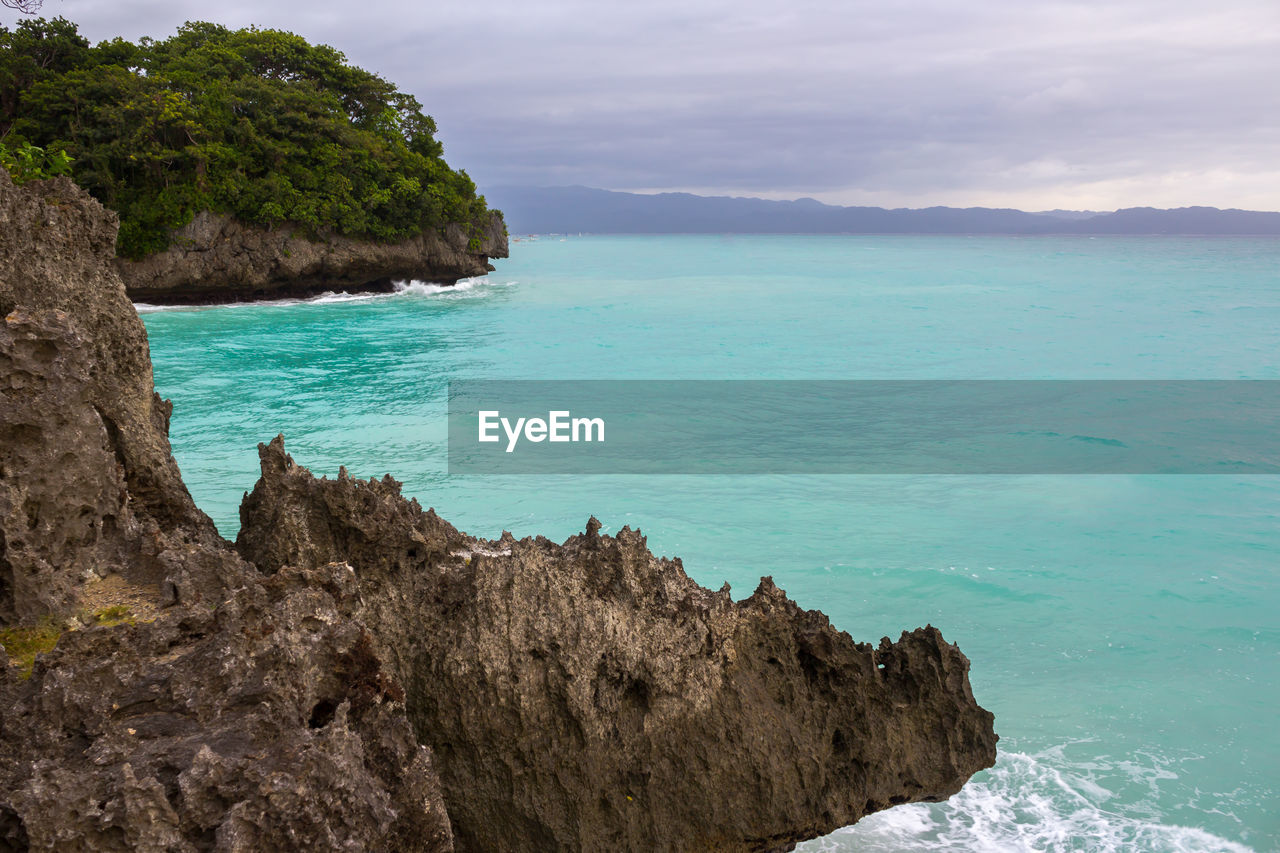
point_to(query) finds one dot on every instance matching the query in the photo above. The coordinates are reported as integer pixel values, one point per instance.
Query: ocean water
(1125, 630)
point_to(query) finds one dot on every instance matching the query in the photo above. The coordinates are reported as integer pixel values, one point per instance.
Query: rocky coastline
(354, 673)
(216, 258)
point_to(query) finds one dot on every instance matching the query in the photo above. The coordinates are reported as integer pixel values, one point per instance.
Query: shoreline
(216, 259)
(356, 673)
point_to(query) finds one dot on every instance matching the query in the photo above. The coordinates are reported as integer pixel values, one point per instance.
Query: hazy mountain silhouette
(562, 210)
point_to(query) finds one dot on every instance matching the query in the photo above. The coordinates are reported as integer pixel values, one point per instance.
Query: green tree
(31, 162)
(255, 123)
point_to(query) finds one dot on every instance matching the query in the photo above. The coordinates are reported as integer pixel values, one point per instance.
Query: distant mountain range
(563, 210)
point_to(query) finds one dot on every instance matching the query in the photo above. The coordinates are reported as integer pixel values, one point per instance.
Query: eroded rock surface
(88, 485)
(590, 696)
(219, 259)
(267, 724)
(379, 680)
(251, 714)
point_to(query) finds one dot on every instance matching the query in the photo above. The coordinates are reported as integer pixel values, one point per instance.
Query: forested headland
(255, 123)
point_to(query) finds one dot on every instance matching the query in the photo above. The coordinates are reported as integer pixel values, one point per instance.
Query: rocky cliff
(88, 486)
(590, 696)
(250, 714)
(217, 259)
(357, 674)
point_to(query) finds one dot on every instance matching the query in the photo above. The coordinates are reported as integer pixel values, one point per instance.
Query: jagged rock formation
(218, 259)
(590, 696)
(365, 676)
(87, 483)
(266, 725)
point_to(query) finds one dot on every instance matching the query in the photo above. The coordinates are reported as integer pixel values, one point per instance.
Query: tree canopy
(258, 124)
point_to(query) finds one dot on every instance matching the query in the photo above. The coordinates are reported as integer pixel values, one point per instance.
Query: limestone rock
(251, 714)
(88, 485)
(590, 696)
(216, 258)
(266, 724)
(380, 680)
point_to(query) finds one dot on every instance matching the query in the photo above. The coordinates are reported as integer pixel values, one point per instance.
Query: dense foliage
(255, 123)
(29, 162)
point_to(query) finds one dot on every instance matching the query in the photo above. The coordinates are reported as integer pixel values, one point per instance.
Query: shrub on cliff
(259, 124)
(29, 162)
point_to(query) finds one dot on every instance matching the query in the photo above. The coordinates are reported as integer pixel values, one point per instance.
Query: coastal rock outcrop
(250, 713)
(266, 724)
(216, 258)
(357, 674)
(88, 486)
(591, 696)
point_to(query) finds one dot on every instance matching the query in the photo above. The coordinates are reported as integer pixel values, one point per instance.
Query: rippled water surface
(1123, 629)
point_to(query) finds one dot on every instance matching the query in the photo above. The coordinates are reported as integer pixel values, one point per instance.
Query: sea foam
(470, 286)
(1026, 803)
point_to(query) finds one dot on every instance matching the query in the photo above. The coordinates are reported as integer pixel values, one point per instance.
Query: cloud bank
(1027, 104)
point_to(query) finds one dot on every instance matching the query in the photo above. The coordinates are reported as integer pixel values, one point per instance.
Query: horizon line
(809, 199)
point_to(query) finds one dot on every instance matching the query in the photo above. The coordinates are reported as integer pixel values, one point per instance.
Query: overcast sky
(1020, 103)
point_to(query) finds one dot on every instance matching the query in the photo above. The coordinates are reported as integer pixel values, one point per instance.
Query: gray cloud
(1031, 104)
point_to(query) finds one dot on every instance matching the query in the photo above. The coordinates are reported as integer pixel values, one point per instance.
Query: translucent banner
(864, 427)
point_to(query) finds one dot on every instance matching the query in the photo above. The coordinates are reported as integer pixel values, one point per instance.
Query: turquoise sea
(1125, 630)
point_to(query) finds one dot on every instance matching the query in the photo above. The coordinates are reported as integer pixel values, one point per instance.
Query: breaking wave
(475, 286)
(1025, 803)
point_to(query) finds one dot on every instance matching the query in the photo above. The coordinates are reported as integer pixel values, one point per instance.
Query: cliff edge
(357, 674)
(192, 723)
(88, 486)
(217, 258)
(591, 696)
